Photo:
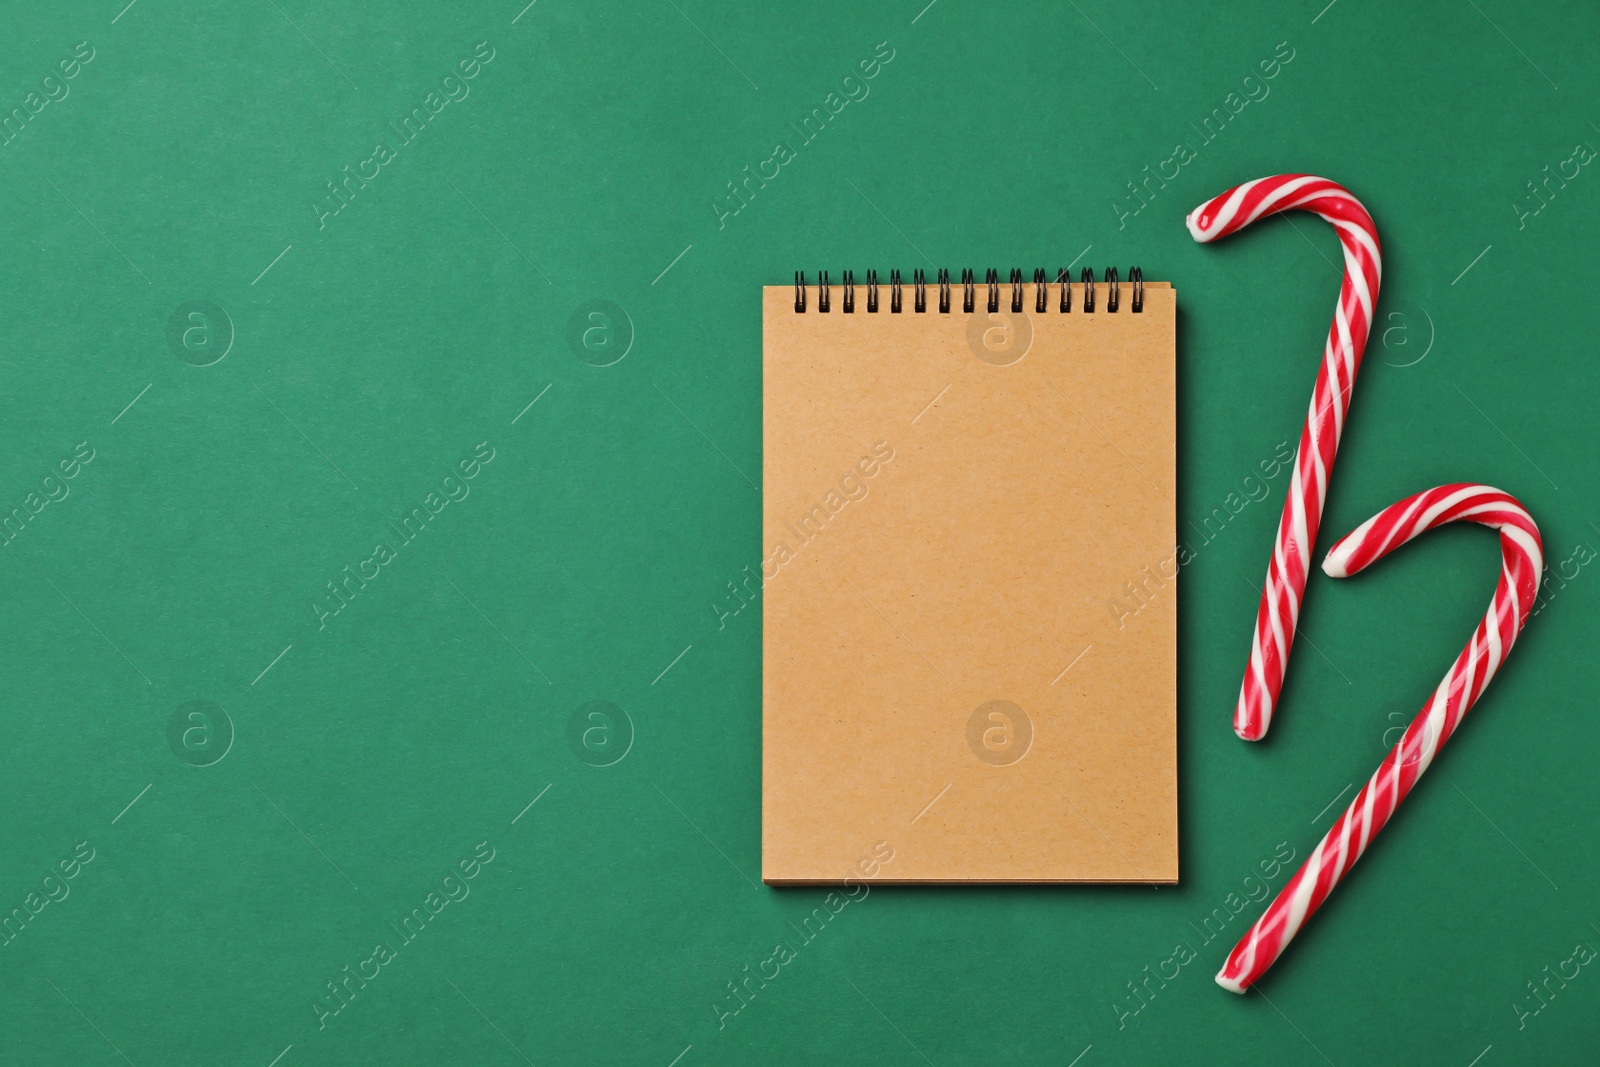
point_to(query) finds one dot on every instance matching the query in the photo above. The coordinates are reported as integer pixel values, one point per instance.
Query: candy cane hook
(1523, 563)
(1330, 401)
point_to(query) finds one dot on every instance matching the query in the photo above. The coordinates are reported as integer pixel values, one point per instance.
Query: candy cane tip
(1232, 985)
(1339, 562)
(1196, 226)
(1254, 731)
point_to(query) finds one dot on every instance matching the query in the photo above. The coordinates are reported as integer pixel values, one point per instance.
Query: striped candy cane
(1349, 837)
(1330, 400)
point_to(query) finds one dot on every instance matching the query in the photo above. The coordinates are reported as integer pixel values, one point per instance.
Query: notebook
(969, 581)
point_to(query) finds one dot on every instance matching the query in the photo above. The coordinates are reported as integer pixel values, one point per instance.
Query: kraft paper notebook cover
(970, 617)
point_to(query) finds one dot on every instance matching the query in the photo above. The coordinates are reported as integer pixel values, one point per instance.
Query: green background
(371, 756)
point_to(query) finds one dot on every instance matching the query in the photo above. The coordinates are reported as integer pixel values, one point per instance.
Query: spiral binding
(919, 282)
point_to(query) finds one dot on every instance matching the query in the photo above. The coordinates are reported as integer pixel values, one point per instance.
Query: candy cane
(1523, 563)
(1330, 400)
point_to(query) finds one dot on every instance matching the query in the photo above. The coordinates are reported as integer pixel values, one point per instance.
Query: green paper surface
(543, 282)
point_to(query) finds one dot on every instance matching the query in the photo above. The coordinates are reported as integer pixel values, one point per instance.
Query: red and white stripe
(1330, 400)
(1523, 563)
